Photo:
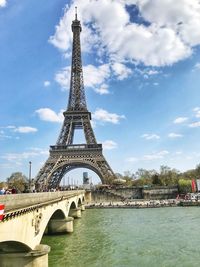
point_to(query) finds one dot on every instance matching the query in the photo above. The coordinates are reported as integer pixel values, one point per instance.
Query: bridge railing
(16, 201)
(13, 213)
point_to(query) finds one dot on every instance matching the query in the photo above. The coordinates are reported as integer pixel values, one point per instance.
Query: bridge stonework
(22, 229)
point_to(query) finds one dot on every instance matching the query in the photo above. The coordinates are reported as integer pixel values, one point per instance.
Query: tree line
(166, 176)
(17, 181)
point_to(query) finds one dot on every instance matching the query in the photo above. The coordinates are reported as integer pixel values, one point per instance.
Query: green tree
(2, 185)
(184, 186)
(143, 177)
(168, 176)
(128, 177)
(197, 171)
(144, 174)
(156, 180)
(18, 181)
(128, 174)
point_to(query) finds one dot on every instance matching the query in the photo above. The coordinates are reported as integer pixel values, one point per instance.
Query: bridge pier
(88, 196)
(82, 207)
(35, 258)
(76, 213)
(58, 226)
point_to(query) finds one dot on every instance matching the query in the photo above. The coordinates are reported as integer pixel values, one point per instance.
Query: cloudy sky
(141, 64)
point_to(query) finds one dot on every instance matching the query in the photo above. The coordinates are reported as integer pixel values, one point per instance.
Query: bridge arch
(58, 214)
(13, 246)
(79, 202)
(72, 205)
(64, 212)
(63, 168)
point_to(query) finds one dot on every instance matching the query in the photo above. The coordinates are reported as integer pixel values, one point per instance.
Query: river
(156, 237)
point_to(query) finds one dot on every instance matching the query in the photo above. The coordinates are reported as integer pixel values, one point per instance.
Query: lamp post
(30, 174)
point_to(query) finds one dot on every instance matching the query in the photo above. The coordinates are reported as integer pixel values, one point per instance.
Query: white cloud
(62, 38)
(180, 120)
(4, 136)
(174, 135)
(25, 129)
(197, 111)
(47, 114)
(181, 16)
(150, 136)
(102, 90)
(198, 114)
(105, 116)
(10, 127)
(149, 157)
(109, 144)
(132, 159)
(146, 72)
(3, 3)
(156, 84)
(94, 77)
(197, 65)
(178, 152)
(93, 124)
(152, 72)
(63, 77)
(16, 129)
(195, 124)
(121, 71)
(18, 157)
(170, 36)
(47, 83)
(7, 165)
(39, 151)
(157, 155)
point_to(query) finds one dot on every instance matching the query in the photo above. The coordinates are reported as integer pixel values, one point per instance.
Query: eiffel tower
(65, 155)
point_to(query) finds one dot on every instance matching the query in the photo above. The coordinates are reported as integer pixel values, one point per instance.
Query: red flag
(2, 207)
(193, 185)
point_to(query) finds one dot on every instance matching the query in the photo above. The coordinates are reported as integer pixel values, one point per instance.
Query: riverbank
(134, 204)
(137, 204)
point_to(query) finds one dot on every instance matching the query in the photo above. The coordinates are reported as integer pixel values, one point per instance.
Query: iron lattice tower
(65, 155)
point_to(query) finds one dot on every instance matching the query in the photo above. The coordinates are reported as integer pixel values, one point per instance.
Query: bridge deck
(19, 201)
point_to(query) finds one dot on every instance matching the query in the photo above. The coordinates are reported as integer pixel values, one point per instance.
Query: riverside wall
(129, 193)
(101, 196)
(162, 192)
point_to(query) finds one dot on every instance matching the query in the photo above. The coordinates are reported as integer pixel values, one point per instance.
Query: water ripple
(165, 237)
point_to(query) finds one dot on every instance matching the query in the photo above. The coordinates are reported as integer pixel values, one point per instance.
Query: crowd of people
(4, 191)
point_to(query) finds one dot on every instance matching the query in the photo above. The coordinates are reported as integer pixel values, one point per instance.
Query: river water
(157, 237)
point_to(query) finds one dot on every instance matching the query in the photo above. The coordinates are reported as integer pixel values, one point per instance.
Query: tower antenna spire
(75, 12)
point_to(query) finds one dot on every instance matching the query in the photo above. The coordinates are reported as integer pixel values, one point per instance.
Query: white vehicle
(193, 196)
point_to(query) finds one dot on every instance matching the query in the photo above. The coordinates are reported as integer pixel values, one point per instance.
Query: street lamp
(30, 174)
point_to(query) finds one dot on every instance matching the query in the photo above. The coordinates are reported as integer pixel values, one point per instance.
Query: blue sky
(141, 64)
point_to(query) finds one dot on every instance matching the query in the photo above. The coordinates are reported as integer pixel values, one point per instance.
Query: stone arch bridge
(28, 217)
